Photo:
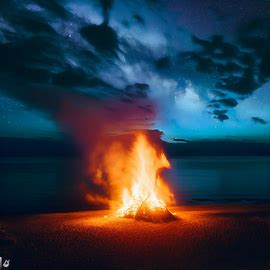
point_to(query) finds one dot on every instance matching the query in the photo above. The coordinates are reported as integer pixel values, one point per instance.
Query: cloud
(255, 35)
(243, 85)
(70, 77)
(179, 107)
(238, 68)
(163, 63)
(139, 19)
(146, 108)
(258, 120)
(136, 90)
(54, 7)
(221, 115)
(102, 37)
(219, 93)
(178, 140)
(35, 25)
(188, 100)
(234, 69)
(15, 57)
(78, 78)
(228, 102)
(106, 7)
(217, 48)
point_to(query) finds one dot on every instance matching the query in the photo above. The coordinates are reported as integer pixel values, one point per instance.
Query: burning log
(149, 214)
(157, 215)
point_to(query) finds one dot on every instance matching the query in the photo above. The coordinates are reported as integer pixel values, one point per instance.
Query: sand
(204, 237)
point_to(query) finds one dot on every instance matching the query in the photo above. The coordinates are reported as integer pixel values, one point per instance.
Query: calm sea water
(220, 179)
(37, 185)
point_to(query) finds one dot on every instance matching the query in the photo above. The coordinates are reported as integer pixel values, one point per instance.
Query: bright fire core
(147, 190)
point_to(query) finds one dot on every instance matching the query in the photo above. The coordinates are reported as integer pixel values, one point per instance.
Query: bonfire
(145, 198)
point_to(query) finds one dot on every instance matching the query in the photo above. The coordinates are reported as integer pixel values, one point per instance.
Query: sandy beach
(203, 237)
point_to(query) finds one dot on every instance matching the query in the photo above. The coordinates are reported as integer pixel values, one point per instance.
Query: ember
(146, 197)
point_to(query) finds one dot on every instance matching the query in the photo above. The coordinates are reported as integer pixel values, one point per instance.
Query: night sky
(189, 68)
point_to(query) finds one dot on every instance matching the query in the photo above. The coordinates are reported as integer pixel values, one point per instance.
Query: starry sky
(191, 69)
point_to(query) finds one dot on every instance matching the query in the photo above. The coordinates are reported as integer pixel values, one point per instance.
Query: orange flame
(146, 185)
(130, 175)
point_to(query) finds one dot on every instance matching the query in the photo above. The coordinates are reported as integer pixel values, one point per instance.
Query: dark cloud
(217, 48)
(204, 64)
(247, 59)
(127, 100)
(236, 69)
(259, 120)
(229, 102)
(38, 54)
(35, 25)
(221, 115)
(35, 75)
(5, 5)
(146, 108)
(216, 104)
(137, 90)
(163, 63)
(139, 19)
(73, 77)
(213, 105)
(243, 85)
(48, 99)
(102, 37)
(16, 56)
(256, 36)
(70, 77)
(207, 64)
(229, 67)
(219, 112)
(220, 57)
(55, 7)
(106, 7)
(219, 93)
(180, 140)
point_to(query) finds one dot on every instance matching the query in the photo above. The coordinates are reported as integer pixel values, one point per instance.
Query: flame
(145, 186)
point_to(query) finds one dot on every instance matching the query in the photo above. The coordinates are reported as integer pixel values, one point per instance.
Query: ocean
(32, 185)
